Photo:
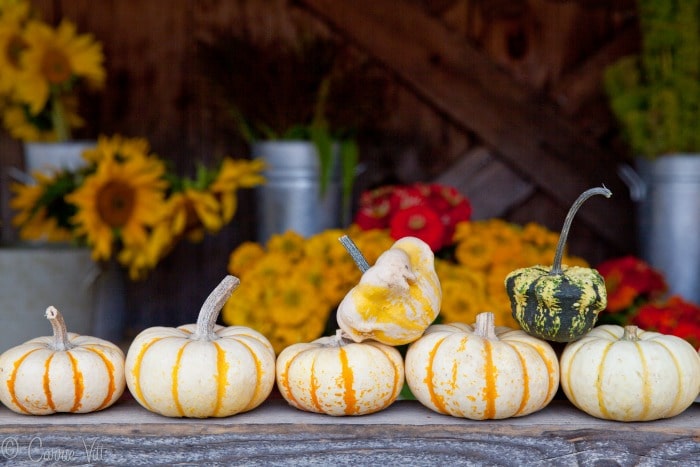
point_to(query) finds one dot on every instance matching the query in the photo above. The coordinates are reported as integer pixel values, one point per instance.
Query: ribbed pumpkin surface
(337, 377)
(454, 371)
(647, 377)
(36, 379)
(173, 375)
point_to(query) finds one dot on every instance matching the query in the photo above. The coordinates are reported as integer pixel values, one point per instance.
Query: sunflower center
(14, 49)
(55, 66)
(115, 203)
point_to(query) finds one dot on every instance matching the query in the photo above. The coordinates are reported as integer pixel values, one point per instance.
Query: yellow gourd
(396, 299)
(65, 372)
(201, 370)
(335, 376)
(626, 374)
(482, 371)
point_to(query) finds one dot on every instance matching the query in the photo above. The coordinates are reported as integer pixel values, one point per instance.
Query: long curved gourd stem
(559, 253)
(211, 307)
(355, 252)
(60, 333)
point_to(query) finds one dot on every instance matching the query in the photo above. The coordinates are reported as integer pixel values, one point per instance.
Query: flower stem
(355, 252)
(211, 307)
(60, 334)
(559, 253)
(58, 118)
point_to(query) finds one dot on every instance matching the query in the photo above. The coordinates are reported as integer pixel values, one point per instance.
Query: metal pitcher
(668, 219)
(291, 199)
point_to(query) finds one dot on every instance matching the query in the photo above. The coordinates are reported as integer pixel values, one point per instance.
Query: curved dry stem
(212, 306)
(60, 333)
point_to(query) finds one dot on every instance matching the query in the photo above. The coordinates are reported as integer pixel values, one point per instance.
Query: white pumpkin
(396, 299)
(201, 370)
(482, 371)
(626, 374)
(65, 372)
(335, 376)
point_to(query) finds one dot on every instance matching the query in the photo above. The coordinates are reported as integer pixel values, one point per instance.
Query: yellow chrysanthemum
(290, 244)
(119, 201)
(53, 58)
(244, 257)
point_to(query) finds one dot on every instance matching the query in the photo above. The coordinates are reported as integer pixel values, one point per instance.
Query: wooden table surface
(404, 434)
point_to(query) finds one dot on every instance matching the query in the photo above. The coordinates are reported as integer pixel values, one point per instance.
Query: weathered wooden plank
(527, 130)
(479, 173)
(405, 433)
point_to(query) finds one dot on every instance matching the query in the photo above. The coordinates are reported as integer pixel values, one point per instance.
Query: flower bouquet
(125, 204)
(43, 71)
(637, 295)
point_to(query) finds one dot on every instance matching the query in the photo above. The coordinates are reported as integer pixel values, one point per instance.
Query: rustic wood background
(501, 98)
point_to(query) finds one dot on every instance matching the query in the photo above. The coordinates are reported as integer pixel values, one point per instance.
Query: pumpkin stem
(211, 307)
(60, 333)
(355, 252)
(631, 333)
(485, 326)
(559, 253)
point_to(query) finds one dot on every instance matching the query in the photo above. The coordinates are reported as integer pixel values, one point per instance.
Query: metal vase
(291, 199)
(669, 220)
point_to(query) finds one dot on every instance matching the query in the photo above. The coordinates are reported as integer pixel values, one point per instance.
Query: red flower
(373, 216)
(403, 197)
(418, 221)
(627, 279)
(447, 207)
(675, 316)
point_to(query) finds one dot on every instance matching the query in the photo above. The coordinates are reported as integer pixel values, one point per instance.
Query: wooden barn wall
(553, 49)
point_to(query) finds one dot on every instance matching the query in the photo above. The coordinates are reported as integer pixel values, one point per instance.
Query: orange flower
(628, 279)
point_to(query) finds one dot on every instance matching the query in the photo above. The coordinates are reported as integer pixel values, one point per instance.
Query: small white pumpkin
(396, 299)
(335, 376)
(201, 370)
(626, 374)
(482, 371)
(65, 372)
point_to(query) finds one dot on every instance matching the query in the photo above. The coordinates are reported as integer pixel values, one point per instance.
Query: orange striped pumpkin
(336, 376)
(201, 370)
(482, 371)
(626, 374)
(65, 372)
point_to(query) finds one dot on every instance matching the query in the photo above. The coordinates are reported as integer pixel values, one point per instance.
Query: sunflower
(120, 201)
(42, 211)
(119, 148)
(235, 174)
(12, 43)
(22, 125)
(54, 59)
(33, 219)
(192, 213)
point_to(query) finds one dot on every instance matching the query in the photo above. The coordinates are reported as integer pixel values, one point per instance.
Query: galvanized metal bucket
(668, 219)
(291, 199)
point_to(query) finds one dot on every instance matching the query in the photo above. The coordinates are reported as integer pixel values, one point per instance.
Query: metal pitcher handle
(635, 184)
